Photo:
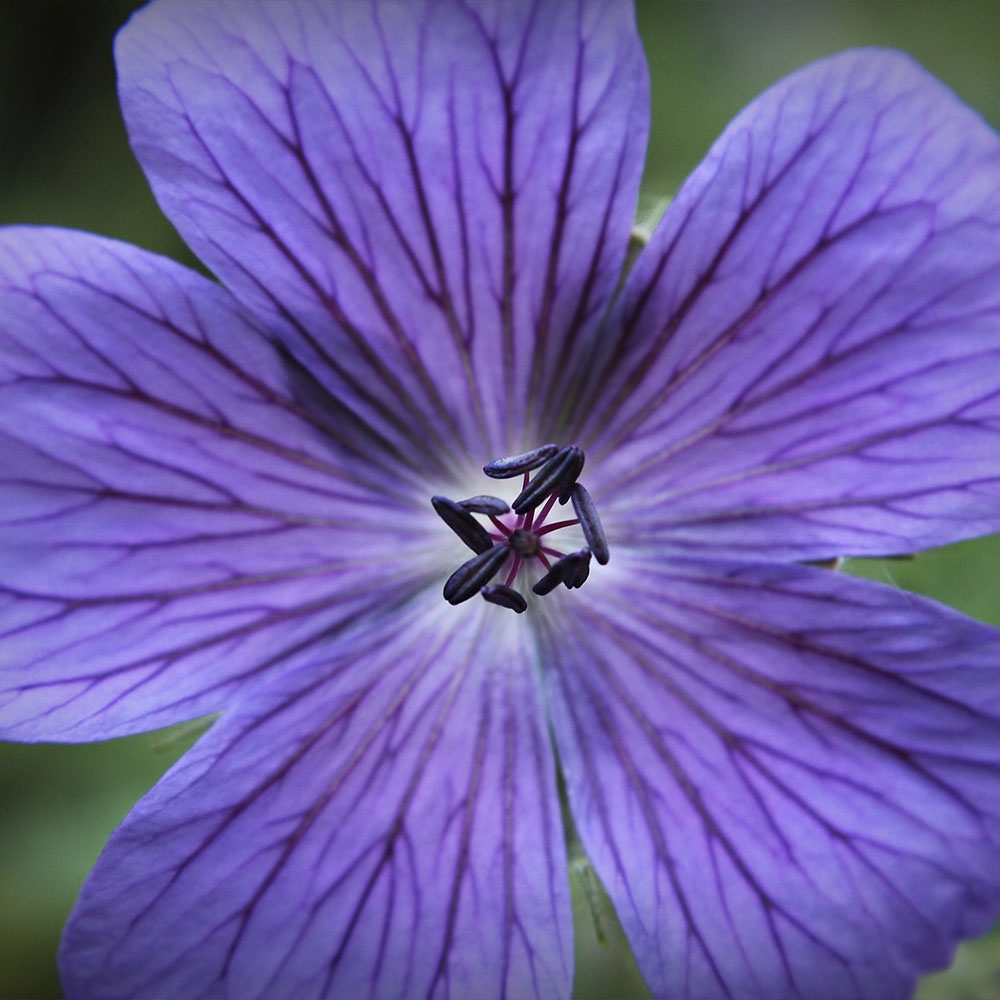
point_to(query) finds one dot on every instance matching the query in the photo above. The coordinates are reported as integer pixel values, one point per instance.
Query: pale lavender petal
(383, 823)
(172, 520)
(807, 355)
(786, 778)
(431, 200)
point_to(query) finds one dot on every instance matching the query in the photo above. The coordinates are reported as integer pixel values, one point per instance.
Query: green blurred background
(64, 160)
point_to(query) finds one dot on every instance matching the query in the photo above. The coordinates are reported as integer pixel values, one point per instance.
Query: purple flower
(217, 499)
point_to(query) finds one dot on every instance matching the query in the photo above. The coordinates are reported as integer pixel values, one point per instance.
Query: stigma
(518, 533)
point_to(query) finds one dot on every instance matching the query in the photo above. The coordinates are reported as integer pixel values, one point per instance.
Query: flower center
(525, 543)
(520, 535)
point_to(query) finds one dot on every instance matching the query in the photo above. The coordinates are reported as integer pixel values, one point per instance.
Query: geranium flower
(216, 498)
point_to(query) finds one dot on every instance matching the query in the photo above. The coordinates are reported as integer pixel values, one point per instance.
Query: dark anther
(549, 582)
(514, 465)
(577, 569)
(473, 575)
(463, 524)
(570, 476)
(557, 476)
(590, 523)
(506, 597)
(571, 570)
(485, 505)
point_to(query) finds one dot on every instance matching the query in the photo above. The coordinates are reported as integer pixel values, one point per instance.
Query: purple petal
(172, 521)
(786, 778)
(808, 352)
(383, 823)
(431, 200)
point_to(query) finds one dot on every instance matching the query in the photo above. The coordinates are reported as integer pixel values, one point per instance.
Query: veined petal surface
(786, 778)
(806, 358)
(173, 520)
(431, 200)
(380, 823)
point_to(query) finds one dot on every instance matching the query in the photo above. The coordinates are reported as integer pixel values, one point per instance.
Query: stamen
(571, 570)
(506, 597)
(514, 465)
(570, 478)
(473, 575)
(590, 523)
(549, 582)
(501, 527)
(512, 539)
(577, 569)
(558, 476)
(546, 509)
(463, 524)
(485, 505)
(556, 526)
